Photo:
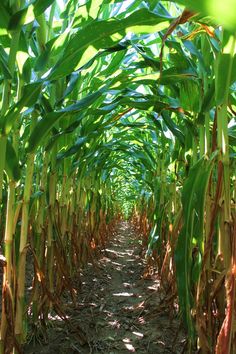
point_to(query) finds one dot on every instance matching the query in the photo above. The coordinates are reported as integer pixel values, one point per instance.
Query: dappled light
(124, 294)
(116, 303)
(117, 176)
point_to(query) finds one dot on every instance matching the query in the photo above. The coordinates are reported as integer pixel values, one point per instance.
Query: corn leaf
(97, 35)
(193, 201)
(29, 98)
(12, 163)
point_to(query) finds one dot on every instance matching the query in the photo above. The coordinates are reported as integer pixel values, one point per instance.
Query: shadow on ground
(118, 309)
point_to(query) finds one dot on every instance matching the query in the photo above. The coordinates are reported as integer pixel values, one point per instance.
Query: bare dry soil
(118, 309)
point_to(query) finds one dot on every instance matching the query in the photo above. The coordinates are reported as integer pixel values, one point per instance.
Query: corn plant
(115, 110)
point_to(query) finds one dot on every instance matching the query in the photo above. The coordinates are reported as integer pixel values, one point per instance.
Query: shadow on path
(118, 309)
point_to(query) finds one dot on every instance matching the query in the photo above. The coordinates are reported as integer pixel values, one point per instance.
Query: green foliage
(221, 11)
(12, 164)
(193, 201)
(113, 109)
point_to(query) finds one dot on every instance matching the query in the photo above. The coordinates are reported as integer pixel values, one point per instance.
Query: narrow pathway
(119, 310)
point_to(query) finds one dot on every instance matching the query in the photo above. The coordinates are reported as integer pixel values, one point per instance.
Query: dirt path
(118, 309)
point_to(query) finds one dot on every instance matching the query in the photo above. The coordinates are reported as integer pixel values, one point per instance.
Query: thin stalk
(50, 21)
(207, 133)
(41, 32)
(194, 149)
(223, 146)
(7, 279)
(20, 306)
(64, 196)
(202, 140)
(3, 146)
(40, 224)
(52, 201)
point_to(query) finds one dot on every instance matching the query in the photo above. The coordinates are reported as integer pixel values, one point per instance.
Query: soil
(119, 310)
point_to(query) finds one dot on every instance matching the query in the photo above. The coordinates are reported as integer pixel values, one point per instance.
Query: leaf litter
(118, 308)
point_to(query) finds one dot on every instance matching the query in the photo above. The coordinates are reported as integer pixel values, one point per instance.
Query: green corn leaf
(173, 75)
(73, 149)
(4, 16)
(22, 17)
(173, 127)
(44, 126)
(85, 44)
(209, 98)
(222, 11)
(4, 64)
(189, 96)
(193, 201)
(28, 13)
(29, 97)
(224, 64)
(41, 5)
(232, 134)
(12, 163)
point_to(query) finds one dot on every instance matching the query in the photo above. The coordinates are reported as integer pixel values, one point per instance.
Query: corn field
(118, 110)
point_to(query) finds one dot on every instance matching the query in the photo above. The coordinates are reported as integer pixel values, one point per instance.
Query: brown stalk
(203, 321)
(227, 331)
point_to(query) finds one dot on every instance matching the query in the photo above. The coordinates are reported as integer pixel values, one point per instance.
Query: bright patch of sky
(61, 4)
(124, 6)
